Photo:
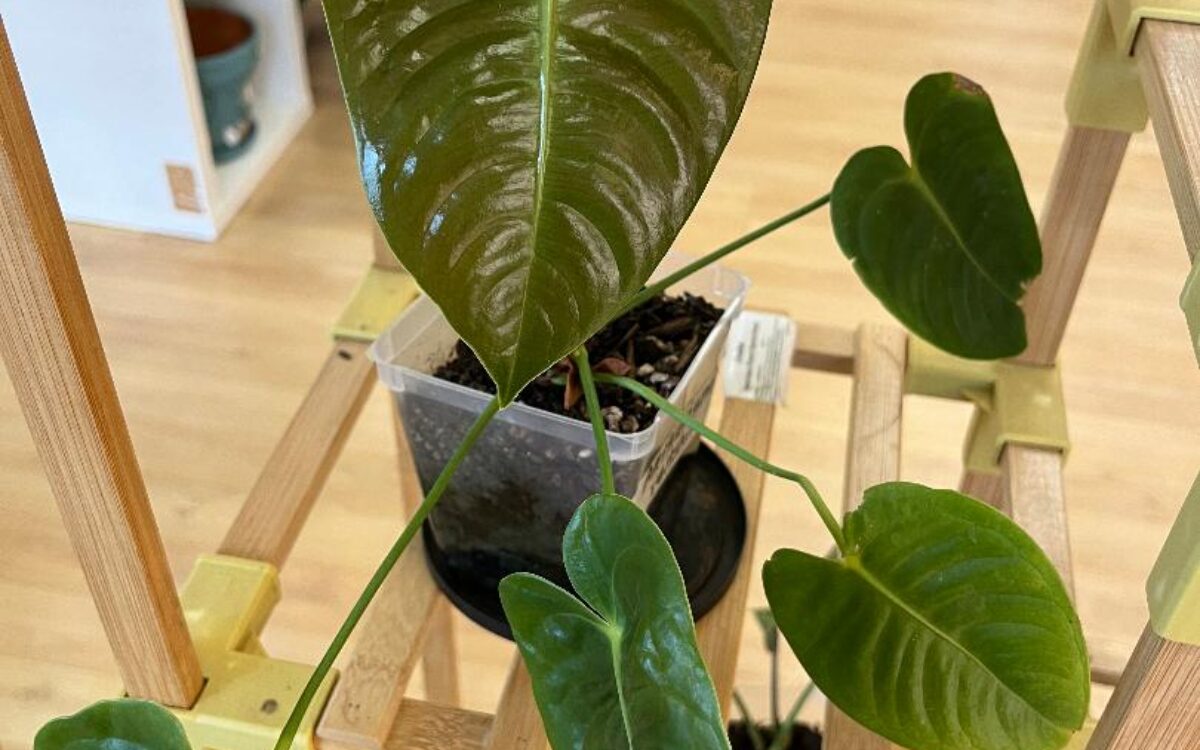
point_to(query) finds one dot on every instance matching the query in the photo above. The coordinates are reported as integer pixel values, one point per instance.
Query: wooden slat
(363, 708)
(825, 348)
(518, 726)
(421, 725)
(440, 655)
(1156, 705)
(1168, 56)
(719, 633)
(408, 618)
(61, 377)
(872, 456)
(1034, 499)
(440, 662)
(988, 488)
(274, 513)
(1080, 188)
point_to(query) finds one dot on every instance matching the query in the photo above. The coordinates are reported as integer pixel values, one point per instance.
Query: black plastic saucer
(699, 510)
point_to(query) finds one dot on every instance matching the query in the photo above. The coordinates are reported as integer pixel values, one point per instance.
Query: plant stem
(756, 738)
(775, 686)
(607, 482)
(658, 287)
(827, 517)
(783, 736)
(381, 573)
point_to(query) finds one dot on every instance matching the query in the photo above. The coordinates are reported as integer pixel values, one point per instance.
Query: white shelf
(116, 101)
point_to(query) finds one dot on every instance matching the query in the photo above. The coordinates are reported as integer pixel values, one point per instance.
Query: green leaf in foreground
(621, 668)
(945, 627)
(531, 161)
(124, 724)
(948, 243)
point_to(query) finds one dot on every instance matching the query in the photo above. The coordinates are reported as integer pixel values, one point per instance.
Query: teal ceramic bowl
(227, 52)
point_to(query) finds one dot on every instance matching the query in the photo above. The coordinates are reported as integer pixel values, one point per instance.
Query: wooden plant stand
(50, 344)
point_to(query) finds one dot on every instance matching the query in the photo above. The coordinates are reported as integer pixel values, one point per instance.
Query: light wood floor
(213, 346)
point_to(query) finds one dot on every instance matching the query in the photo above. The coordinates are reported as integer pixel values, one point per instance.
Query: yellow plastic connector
(1013, 403)
(247, 695)
(1190, 302)
(1105, 90)
(381, 296)
(1173, 589)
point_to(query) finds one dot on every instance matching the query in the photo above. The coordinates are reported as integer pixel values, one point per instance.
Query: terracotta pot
(226, 49)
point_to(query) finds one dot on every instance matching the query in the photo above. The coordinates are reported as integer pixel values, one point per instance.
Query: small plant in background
(781, 732)
(531, 164)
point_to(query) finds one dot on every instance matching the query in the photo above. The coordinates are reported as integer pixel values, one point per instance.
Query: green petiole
(607, 482)
(827, 517)
(653, 290)
(381, 573)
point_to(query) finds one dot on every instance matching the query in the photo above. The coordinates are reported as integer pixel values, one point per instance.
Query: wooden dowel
(518, 725)
(431, 726)
(365, 702)
(1168, 57)
(1033, 498)
(1087, 168)
(1157, 702)
(440, 662)
(274, 513)
(872, 457)
(57, 365)
(719, 633)
(824, 348)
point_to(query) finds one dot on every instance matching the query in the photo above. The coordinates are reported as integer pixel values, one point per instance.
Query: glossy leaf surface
(114, 725)
(621, 668)
(944, 628)
(948, 242)
(530, 161)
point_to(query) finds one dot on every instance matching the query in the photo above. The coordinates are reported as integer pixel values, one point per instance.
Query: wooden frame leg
(1157, 702)
(52, 348)
(1087, 168)
(872, 456)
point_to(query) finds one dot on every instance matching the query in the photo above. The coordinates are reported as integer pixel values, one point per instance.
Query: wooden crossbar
(274, 513)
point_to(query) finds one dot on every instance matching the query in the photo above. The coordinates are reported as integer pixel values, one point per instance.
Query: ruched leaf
(530, 161)
(114, 725)
(945, 627)
(948, 243)
(621, 668)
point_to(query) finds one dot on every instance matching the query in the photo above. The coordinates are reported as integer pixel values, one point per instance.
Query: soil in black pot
(657, 339)
(804, 737)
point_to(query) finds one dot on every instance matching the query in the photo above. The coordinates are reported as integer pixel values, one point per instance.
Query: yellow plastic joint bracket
(1105, 90)
(247, 695)
(381, 296)
(1014, 403)
(1190, 302)
(1173, 589)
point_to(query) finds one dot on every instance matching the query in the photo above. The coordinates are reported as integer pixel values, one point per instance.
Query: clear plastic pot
(512, 497)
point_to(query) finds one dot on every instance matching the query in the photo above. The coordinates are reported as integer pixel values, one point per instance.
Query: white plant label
(758, 356)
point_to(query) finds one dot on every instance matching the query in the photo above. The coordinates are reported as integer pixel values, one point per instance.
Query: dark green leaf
(530, 161)
(944, 628)
(623, 669)
(114, 725)
(948, 243)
